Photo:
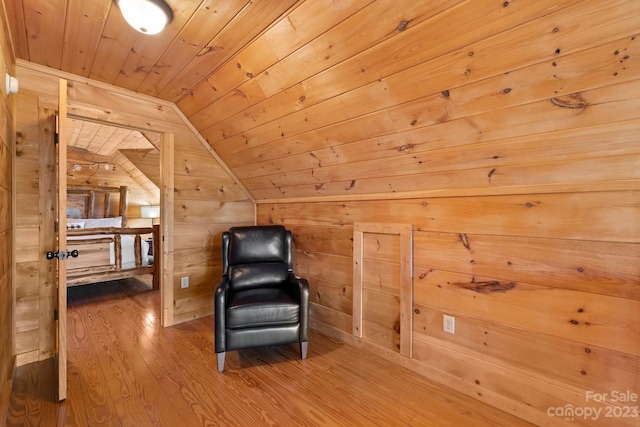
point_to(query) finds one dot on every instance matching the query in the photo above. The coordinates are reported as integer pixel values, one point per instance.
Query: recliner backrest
(257, 244)
(256, 256)
(259, 275)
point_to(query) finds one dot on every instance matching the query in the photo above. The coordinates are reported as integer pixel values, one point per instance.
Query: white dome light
(146, 16)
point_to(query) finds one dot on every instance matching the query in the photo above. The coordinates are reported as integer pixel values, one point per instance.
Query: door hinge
(55, 314)
(56, 134)
(55, 226)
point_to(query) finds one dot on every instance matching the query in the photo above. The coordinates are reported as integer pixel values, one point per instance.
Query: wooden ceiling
(102, 154)
(106, 140)
(92, 39)
(313, 98)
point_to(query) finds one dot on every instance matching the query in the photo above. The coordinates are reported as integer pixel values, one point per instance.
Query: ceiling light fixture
(146, 16)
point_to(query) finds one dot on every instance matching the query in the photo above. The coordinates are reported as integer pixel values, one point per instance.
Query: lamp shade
(146, 16)
(152, 211)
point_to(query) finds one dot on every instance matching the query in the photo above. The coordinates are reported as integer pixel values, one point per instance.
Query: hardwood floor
(125, 370)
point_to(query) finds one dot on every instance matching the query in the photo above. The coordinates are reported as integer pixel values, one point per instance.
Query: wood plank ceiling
(343, 98)
(96, 146)
(106, 140)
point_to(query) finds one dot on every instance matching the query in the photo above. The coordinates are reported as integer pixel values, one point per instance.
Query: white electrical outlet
(449, 324)
(184, 282)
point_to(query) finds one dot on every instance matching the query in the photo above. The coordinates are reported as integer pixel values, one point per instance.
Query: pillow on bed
(103, 222)
(74, 213)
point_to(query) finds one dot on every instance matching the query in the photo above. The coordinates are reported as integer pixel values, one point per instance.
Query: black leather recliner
(259, 301)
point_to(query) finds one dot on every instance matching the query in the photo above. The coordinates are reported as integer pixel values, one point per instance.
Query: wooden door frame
(166, 239)
(405, 233)
(165, 244)
(60, 358)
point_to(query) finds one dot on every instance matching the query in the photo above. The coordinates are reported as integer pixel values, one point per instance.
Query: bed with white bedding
(108, 251)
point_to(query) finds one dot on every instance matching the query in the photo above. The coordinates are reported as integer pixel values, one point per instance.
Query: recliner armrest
(220, 304)
(301, 288)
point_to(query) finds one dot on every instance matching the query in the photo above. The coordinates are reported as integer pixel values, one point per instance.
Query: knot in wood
(571, 101)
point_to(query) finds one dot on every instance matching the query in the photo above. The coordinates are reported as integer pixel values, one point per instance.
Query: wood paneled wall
(545, 289)
(34, 166)
(207, 203)
(206, 199)
(7, 140)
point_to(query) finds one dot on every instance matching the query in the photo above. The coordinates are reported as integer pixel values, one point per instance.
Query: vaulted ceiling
(344, 98)
(106, 140)
(101, 154)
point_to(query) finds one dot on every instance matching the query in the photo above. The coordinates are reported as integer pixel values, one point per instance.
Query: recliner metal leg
(303, 349)
(221, 361)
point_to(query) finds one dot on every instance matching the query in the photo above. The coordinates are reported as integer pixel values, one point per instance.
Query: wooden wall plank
(205, 188)
(14, 13)
(526, 121)
(336, 296)
(189, 163)
(437, 150)
(27, 249)
(199, 235)
(385, 336)
(613, 215)
(574, 362)
(584, 266)
(382, 310)
(334, 268)
(198, 211)
(299, 146)
(382, 277)
(333, 318)
(572, 315)
(500, 386)
(532, 178)
(334, 240)
(526, 32)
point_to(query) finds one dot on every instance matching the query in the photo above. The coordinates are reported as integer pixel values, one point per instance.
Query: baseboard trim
(519, 409)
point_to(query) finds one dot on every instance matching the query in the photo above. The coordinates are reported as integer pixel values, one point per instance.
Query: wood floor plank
(124, 369)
